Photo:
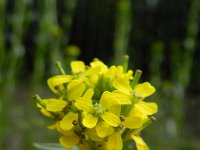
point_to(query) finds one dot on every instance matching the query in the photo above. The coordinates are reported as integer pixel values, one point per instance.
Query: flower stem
(125, 63)
(60, 68)
(136, 78)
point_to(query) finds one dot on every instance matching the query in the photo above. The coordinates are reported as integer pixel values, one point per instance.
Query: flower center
(97, 110)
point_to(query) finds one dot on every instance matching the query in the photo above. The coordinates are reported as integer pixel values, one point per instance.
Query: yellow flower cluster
(98, 107)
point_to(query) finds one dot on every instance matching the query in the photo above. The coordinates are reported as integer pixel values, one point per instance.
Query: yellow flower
(126, 95)
(115, 72)
(89, 75)
(135, 119)
(98, 107)
(57, 82)
(106, 110)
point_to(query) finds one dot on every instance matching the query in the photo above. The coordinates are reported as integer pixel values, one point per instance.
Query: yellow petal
(122, 85)
(77, 66)
(115, 109)
(123, 98)
(110, 72)
(55, 105)
(88, 94)
(145, 89)
(93, 71)
(107, 99)
(103, 129)
(111, 119)
(109, 102)
(67, 121)
(89, 120)
(140, 144)
(52, 126)
(69, 140)
(75, 89)
(92, 133)
(133, 122)
(114, 142)
(147, 108)
(58, 80)
(96, 63)
(83, 104)
(45, 113)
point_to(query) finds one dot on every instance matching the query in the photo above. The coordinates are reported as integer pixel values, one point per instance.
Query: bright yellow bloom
(126, 95)
(106, 109)
(135, 119)
(116, 72)
(97, 107)
(90, 75)
(57, 81)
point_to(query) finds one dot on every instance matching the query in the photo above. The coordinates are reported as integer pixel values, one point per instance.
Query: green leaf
(51, 146)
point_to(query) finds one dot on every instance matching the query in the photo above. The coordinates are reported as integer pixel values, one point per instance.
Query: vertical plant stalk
(66, 21)
(43, 40)
(2, 56)
(2, 34)
(122, 29)
(67, 18)
(11, 61)
(56, 32)
(181, 76)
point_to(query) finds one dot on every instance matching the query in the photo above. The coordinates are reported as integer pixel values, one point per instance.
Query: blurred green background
(161, 37)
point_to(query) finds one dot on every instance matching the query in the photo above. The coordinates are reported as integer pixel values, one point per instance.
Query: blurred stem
(44, 40)
(60, 68)
(70, 6)
(190, 42)
(66, 21)
(12, 61)
(2, 34)
(155, 63)
(125, 63)
(122, 29)
(181, 75)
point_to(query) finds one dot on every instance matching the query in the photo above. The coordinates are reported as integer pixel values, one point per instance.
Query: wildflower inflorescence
(98, 107)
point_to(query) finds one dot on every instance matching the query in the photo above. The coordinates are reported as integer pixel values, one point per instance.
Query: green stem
(40, 101)
(136, 78)
(60, 68)
(125, 63)
(122, 29)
